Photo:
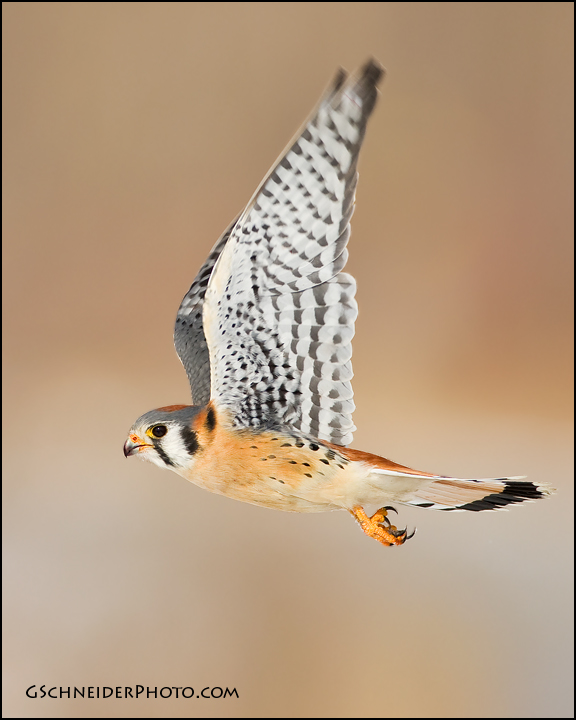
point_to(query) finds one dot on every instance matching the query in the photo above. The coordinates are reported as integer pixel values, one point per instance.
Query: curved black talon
(386, 523)
(398, 533)
(402, 535)
(411, 535)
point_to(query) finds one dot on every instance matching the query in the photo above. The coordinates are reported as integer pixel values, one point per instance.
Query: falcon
(265, 334)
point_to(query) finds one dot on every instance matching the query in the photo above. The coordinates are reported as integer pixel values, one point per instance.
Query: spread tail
(402, 484)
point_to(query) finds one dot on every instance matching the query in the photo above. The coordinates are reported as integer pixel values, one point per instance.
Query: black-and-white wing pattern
(189, 338)
(279, 314)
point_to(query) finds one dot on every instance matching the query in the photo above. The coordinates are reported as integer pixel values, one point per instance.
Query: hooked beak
(133, 445)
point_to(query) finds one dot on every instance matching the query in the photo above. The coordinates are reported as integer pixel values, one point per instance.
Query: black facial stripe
(160, 450)
(190, 440)
(211, 419)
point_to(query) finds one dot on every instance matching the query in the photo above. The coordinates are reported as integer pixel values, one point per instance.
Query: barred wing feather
(279, 312)
(189, 338)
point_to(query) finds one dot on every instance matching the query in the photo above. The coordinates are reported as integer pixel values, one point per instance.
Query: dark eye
(159, 431)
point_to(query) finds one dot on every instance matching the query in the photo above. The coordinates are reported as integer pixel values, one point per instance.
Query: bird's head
(165, 437)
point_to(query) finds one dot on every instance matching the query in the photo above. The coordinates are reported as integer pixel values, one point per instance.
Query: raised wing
(279, 313)
(189, 338)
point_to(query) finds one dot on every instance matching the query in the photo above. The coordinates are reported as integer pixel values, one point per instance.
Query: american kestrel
(265, 335)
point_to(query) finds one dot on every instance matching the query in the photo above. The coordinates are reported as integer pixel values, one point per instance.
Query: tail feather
(438, 492)
(478, 495)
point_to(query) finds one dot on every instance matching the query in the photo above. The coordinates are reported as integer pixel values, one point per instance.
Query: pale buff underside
(262, 470)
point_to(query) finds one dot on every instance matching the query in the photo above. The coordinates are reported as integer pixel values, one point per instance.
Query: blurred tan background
(133, 132)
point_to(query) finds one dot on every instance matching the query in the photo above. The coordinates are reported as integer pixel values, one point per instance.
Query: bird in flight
(265, 334)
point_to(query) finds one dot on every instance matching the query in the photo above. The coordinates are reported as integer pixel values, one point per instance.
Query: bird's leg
(378, 526)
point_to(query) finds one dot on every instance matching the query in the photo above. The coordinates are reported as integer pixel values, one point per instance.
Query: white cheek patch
(174, 447)
(150, 455)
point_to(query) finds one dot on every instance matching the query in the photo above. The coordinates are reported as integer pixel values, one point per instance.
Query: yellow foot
(378, 526)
